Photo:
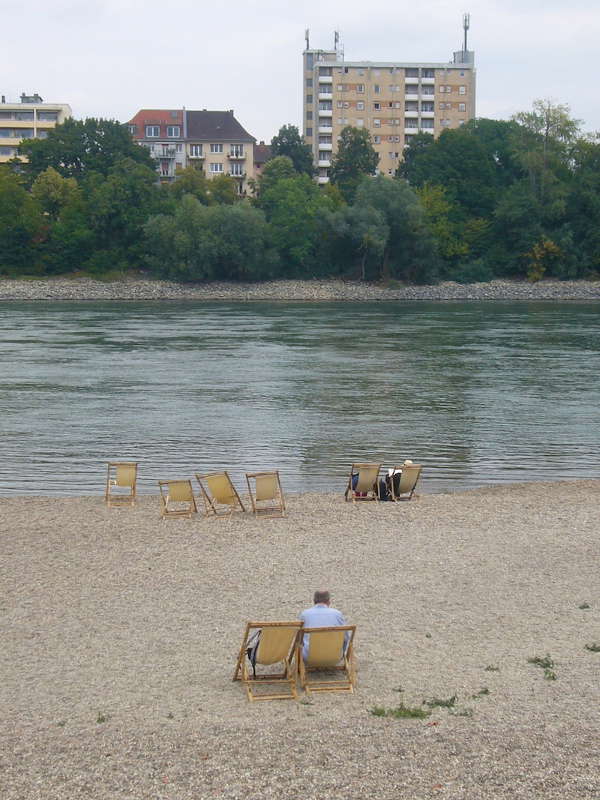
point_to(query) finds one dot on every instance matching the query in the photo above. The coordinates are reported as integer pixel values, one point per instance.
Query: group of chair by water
(331, 649)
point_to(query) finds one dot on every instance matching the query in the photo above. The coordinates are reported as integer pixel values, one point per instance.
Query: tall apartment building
(30, 118)
(214, 140)
(392, 100)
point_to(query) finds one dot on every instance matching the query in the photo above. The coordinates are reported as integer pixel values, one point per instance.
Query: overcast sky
(109, 58)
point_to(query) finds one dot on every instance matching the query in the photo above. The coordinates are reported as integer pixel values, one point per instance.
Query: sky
(110, 58)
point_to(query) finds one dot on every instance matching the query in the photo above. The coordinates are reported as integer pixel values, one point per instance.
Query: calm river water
(479, 392)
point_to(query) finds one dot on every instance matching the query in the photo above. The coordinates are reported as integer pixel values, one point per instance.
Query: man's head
(322, 596)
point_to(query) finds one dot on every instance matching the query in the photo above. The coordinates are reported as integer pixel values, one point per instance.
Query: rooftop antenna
(306, 34)
(336, 40)
(466, 25)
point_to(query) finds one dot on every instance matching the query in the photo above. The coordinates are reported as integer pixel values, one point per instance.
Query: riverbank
(121, 632)
(66, 289)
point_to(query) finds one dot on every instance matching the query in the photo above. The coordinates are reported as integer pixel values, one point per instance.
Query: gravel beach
(120, 633)
(311, 290)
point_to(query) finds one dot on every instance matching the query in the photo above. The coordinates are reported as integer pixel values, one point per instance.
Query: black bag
(251, 651)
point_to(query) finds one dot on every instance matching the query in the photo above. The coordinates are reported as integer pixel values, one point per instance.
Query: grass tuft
(584, 606)
(436, 702)
(481, 693)
(593, 647)
(545, 663)
(401, 712)
(102, 717)
(492, 668)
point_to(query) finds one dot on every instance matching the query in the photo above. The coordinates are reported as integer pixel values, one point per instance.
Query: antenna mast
(466, 25)
(306, 35)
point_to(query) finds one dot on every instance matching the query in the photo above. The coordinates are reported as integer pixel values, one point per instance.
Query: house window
(427, 73)
(132, 129)
(236, 150)
(462, 89)
(377, 139)
(462, 107)
(377, 106)
(324, 155)
(216, 147)
(309, 98)
(360, 87)
(377, 123)
(360, 106)
(411, 72)
(308, 132)
(309, 115)
(309, 83)
(360, 123)
(426, 106)
(173, 131)
(376, 88)
(152, 131)
(236, 169)
(428, 123)
(411, 89)
(196, 150)
(215, 167)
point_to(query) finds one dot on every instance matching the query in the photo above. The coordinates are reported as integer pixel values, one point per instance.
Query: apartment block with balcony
(30, 118)
(213, 141)
(392, 100)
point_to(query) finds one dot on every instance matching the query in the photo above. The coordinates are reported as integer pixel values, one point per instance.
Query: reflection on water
(478, 392)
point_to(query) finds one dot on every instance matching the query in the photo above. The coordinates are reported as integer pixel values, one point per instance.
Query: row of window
(216, 168)
(409, 72)
(235, 150)
(408, 89)
(43, 116)
(21, 133)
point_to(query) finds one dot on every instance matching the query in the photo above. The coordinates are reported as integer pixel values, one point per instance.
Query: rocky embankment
(310, 290)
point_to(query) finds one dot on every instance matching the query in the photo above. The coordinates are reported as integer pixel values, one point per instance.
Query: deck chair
(177, 499)
(366, 482)
(408, 480)
(278, 644)
(219, 494)
(326, 653)
(121, 475)
(265, 488)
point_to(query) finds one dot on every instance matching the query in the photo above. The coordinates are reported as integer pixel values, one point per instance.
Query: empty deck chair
(363, 483)
(121, 475)
(326, 652)
(404, 489)
(219, 494)
(266, 494)
(277, 644)
(177, 499)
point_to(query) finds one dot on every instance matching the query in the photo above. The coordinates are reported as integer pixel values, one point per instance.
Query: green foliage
(355, 158)
(437, 702)
(288, 142)
(593, 647)
(23, 228)
(401, 712)
(77, 147)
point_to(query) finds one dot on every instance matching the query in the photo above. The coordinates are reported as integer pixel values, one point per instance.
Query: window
(215, 167)
(152, 131)
(196, 150)
(346, 104)
(411, 123)
(394, 87)
(309, 115)
(309, 98)
(346, 70)
(47, 116)
(309, 132)
(377, 88)
(393, 155)
(462, 106)
(216, 147)
(325, 105)
(236, 150)
(324, 155)
(360, 123)
(309, 83)
(427, 73)
(6, 151)
(462, 89)
(325, 71)
(445, 123)
(325, 139)
(397, 104)
(132, 129)
(340, 104)
(377, 123)
(428, 90)
(377, 106)
(426, 105)
(173, 131)
(377, 140)
(411, 105)
(340, 87)
(236, 169)
(411, 72)
(360, 106)
(360, 87)
(426, 123)
(411, 88)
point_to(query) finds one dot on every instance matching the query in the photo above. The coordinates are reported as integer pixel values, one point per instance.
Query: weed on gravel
(593, 647)
(401, 712)
(437, 702)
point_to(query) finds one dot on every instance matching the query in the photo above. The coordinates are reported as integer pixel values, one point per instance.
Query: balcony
(325, 79)
(324, 163)
(199, 156)
(411, 96)
(427, 114)
(325, 95)
(322, 179)
(239, 175)
(325, 112)
(411, 130)
(428, 81)
(166, 152)
(236, 156)
(325, 146)
(411, 114)
(325, 129)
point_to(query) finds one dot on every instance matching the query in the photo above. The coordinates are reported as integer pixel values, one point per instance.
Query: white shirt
(321, 616)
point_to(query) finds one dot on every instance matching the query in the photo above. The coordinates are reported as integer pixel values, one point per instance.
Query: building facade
(392, 100)
(30, 118)
(211, 140)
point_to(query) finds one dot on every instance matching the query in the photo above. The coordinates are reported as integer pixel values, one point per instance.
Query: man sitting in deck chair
(321, 615)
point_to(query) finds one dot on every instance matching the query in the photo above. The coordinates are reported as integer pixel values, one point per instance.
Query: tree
(77, 147)
(361, 234)
(275, 170)
(288, 142)
(53, 192)
(22, 226)
(190, 180)
(355, 158)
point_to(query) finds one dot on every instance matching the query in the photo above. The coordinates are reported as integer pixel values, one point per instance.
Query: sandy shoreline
(120, 633)
(76, 289)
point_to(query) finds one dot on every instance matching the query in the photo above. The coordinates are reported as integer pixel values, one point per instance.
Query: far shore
(144, 289)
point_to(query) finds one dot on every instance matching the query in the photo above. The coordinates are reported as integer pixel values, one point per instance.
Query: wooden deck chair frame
(218, 492)
(321, 657)
(177, 491)
(367, 487)
(278, 643)
(408, 481)
(267, 487)
(123, 474)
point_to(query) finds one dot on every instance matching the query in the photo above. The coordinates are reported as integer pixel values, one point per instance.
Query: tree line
(518, 199)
